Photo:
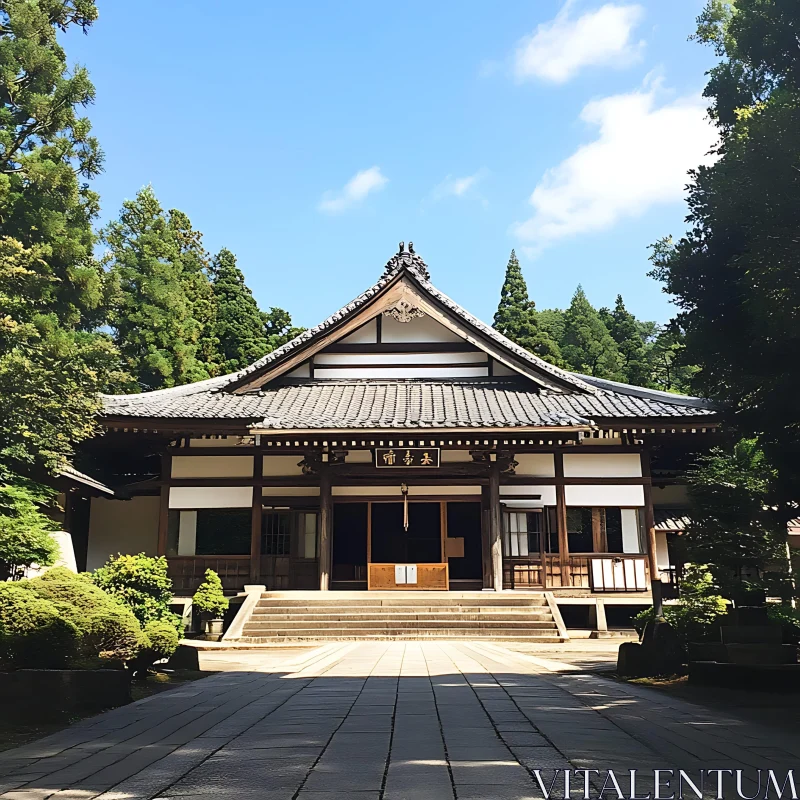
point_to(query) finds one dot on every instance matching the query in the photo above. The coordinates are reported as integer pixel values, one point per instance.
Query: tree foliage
(735, 274)
(209, 597)
(53, 361)
(516, 316)
(733, 527)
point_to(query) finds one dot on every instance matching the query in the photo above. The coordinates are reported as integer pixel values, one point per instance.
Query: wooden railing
(598, 572)
(187, 572)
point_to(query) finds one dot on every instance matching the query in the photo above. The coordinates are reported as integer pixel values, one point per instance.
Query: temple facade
(401, 445)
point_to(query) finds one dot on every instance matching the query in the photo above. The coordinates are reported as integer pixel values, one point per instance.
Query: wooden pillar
(495, 527)
(255, 520)
(650, 531)
(486, 544)
(561, 520)
(325, 527)
(163, 510)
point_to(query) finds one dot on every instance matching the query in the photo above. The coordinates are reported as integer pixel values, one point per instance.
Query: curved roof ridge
(648, 394)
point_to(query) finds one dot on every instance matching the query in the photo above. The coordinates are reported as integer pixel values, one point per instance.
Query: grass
(15, 733)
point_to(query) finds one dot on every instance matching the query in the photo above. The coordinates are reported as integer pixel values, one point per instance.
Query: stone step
(375, 624)
(312, 615)
(406, 601)
(400, 635)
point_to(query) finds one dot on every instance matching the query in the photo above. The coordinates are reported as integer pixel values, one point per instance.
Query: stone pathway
(388, 721)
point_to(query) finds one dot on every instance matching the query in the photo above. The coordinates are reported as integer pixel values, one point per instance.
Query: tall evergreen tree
(631, 337)
(587, 346)
(51, 289)
(734, 274)
(516, 316)
(152, 311)
(240, 326)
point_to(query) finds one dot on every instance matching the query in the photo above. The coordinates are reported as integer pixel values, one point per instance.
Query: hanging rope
(404, 491)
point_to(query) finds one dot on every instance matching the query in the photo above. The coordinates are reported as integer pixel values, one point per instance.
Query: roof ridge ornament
(406, 258)
(403, 311)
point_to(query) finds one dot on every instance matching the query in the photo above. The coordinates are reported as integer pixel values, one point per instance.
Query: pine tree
(630, 336)
(587, 346)
(516, 316)
(240, 328)
(195, 270)
(52, 363)
(152, 312)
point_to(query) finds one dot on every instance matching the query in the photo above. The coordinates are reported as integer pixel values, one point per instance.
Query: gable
(403, 328)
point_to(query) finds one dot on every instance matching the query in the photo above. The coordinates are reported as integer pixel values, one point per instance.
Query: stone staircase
(337, 616)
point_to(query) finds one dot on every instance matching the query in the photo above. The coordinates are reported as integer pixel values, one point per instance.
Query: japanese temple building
(401, 444)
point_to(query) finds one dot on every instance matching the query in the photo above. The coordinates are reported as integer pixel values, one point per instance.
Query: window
(276, 535)
(209, 532)
(604, 530)
(279, 528)
(528, 532)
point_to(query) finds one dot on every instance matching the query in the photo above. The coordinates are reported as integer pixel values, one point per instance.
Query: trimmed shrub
(142, 584)
(696, 616)
(33, 632)
(107, 629)
(209, 597)
(789, 620)
(159, 640)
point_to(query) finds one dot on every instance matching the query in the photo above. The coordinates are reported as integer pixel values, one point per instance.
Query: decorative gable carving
(404, 312)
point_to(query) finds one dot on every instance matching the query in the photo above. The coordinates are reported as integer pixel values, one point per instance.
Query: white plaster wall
(359, 457)
(210, 497)
(548, 493)
(421, 329)
(282, 465)
(402, 372)
(303, 371)
(366, 334)
(212, 466)
(604, 495)
(540, 465)
(500, 370)
(290, 491)
(670, 496)
(602, 465)
(455, 456)
(398, 359)
(394, 491)
(122, 526)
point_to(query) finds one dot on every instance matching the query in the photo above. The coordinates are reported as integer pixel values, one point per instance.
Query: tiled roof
(413, 265)
(671, 520)
(395, 404)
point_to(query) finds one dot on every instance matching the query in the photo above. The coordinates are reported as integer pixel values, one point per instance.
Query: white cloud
(558, 49)
(457, 187)
(639, 159)
(354, 191)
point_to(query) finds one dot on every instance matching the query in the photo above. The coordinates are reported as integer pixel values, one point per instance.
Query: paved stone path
(385, 721)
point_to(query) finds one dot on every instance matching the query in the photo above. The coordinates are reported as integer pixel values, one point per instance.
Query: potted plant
(211, 603)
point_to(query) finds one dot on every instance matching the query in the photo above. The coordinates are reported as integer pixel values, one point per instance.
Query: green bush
(160, 640)
(33, 632)
(107, 628)
(788, 618)
(209, 598)
(142, 584)
(695, 616)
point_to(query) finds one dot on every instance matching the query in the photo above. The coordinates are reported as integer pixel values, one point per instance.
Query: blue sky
(311, 137)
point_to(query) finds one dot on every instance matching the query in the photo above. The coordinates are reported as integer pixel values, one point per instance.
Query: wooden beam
(325, 527)
(403, 347)
(255, 524)
(561, 521)
(495, 527)
(650, 531)
(163, 510)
